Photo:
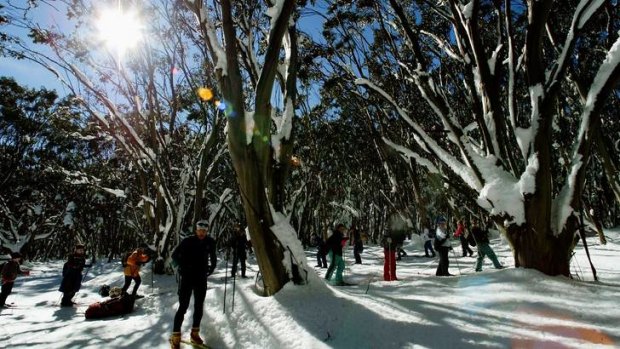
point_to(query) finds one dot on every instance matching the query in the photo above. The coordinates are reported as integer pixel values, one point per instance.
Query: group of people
(476, 237)
(437, 240)
(194, 260)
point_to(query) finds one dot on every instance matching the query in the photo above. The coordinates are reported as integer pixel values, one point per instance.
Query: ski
(344, 284)
(196, 345)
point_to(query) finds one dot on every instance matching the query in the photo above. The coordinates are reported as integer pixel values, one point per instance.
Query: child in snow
(72, 275)
(10, 270)
(132, 269)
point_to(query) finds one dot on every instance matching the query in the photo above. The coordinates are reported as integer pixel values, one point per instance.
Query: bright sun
(120, 30)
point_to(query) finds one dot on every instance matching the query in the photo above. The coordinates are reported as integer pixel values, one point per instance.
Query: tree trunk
(541, 250)
(268, 252)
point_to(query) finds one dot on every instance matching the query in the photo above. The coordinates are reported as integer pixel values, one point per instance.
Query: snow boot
(175, 340)
(195, 336)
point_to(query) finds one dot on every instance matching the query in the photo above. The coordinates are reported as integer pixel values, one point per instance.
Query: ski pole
(233, 297)
(456, 260)
(225, 281)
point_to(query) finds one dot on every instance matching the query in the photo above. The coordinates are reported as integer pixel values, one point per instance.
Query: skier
(461, 234)
(335, 243)
(442, 245)
(239, 246)
(358, 244)
(10, 270)
(196, 259)
(428, 242)
(321, 250)
(72, 275)
(482, 242)
(390, 246)
(132, 269)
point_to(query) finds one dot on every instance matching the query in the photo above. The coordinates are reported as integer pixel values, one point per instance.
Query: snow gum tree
(512, 88)
(253, 46)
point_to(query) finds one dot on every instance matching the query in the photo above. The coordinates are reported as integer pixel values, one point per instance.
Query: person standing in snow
(239, 246)
(484, 249)
(461, 234)
(335, 243)
(390, 246)
(132, 269)
(442, 245)
(196, 259)
(428, 242)
(10, 270)
(321, 250)
(72, 275)
(358, 244)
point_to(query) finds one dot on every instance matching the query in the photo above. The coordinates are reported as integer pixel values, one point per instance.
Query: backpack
(125, 258)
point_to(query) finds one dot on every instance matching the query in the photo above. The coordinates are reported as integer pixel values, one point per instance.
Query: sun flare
(120, 30)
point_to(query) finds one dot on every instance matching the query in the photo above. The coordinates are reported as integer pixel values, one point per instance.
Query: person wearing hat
(195, 258)
(72, 275)
(442, 245)
(10, 270)
(132, 269)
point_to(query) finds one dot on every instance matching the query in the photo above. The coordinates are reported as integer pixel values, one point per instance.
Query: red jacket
(460, 230)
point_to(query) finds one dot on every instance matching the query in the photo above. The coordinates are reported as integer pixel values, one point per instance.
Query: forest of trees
(300, 114)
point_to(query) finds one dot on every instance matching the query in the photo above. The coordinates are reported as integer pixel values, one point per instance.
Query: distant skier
(442, 245)
(358, 244)
(239, 247)
(321, 250)
(132, 269)
(10, 270)
(335, 243)
(462, 235)
(428, 237)
(196, 259)
(72, 275)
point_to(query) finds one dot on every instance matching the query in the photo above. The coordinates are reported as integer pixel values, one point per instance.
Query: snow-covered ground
(510, 308)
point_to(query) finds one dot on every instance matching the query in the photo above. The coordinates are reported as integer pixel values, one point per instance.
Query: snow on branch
(408, 153)
(444, 46)
(209, 28)
(583, 13)
(606, 74)
(462, 170)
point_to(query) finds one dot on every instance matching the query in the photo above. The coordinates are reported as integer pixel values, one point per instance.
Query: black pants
(321, 257)
(137, 281)
(187, 285)
(465, 246)
(67, 298)
(428, 248)
(236, 260)
(6, 291)
(356, 253)
(444, 262)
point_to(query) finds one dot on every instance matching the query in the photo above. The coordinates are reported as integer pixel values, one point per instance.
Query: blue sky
(27, 72)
